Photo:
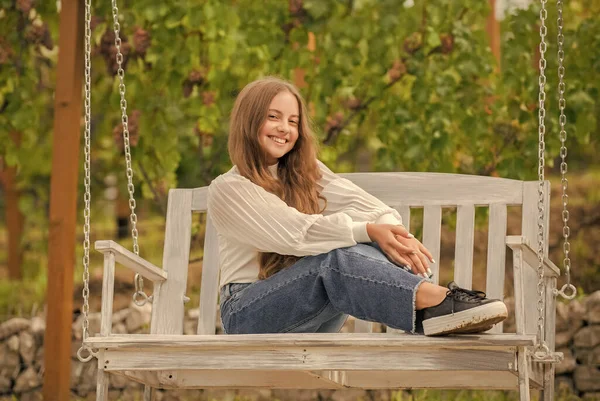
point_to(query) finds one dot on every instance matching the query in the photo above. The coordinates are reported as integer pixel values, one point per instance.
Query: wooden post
(63, 202)
(493, 31)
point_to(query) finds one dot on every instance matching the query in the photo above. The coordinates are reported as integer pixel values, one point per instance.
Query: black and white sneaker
(462, 311)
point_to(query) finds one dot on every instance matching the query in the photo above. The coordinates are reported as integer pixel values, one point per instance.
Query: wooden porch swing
(167, 359)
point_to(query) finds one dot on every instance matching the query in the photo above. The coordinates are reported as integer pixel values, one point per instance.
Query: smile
(279, 141)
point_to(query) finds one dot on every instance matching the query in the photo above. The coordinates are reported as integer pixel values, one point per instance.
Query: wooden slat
(463, 259)
(363, 326)
(108, 291)
(420, 189)
(301, 358)
(496, 255)
(423, 189)
(210, 281)
(404, 211)
(167, 307)
(449, 379)
(204, 379)
(432, 228)
(132, 261)
(102, 379)
(530, 255)
(328, 340)
(523, 374)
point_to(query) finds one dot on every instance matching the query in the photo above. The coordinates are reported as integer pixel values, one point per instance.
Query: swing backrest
(430, 191)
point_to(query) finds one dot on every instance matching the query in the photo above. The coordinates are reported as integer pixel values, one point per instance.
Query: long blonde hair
(297, 170)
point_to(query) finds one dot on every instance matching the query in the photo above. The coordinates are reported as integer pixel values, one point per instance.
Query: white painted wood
(204, 379)
(167, 307)
(362, 326)
(404, 211)
(209, 290)
(519, 289)
(432, 228)
(299, 358)
(108, 291)
(523, 368)
(549, 334)
(420, 189)
(132, 261)
(530, 255)
(496, 255)
(463, 254)
(312, 340)
(102, 380)
(452, 379)
(148, 393)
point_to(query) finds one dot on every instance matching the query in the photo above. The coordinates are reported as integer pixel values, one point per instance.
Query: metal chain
(87, 196)
(568, 291)
(541, 349)
(139, 281)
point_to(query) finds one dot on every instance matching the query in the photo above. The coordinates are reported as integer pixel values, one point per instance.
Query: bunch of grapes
(39, 34)
(195, 78)
(397, 71)
(109, 51)
(6, 52)
(133, 125)
(24, 6)
(141, 41)
(413, 42)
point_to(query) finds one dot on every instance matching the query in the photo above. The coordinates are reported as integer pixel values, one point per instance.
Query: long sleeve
(345, 196)
(251, 215)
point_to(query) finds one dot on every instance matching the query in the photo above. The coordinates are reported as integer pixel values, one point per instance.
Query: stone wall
(22, 353)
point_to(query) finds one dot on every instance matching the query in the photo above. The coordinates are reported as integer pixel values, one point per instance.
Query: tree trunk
(14, 222)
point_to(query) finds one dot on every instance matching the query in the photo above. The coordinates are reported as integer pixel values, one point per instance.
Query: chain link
(562, 120)
(541, 347)
(86, 180)
(139, 281)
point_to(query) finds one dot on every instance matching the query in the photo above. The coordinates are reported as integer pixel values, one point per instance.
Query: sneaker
(462, 311)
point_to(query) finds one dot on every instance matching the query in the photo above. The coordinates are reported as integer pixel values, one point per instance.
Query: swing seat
(166, 358)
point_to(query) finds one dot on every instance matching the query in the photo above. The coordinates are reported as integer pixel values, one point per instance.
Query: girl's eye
(272, 116)
(294, 122)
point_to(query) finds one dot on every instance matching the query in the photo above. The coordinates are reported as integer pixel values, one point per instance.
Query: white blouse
(248, 220)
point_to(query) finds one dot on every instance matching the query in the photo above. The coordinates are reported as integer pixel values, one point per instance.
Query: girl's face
(279, 132)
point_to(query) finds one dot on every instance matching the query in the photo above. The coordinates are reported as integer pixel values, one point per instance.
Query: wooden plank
(363, 326)
(518, 285)
(404, 211)
(210, 281)
(132, 261)
(303, 358)
(496, 256)
(108, 292)
(423, 189)
(328, 340)
(463, 259)
(63, 201)
(204, 379)
(102, 379)
(432, 229)
(448, 379)
(530, 255)
(523, 375)
(167, 308)
(549, 335)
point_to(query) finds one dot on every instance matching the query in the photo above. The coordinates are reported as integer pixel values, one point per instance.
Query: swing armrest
(132, 261)
(519, 242)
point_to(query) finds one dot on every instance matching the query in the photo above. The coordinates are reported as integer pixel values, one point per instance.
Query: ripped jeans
(318, 292)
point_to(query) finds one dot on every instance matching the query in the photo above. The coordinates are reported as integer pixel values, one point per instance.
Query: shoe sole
(474, 320)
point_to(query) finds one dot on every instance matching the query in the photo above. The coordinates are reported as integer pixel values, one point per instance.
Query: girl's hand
(401, 247)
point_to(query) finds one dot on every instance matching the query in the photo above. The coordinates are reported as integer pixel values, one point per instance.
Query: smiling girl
(301, 248)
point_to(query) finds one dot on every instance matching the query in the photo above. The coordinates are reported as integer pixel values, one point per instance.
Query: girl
(301, 248)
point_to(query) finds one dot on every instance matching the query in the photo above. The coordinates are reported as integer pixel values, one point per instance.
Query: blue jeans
(318, 292)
